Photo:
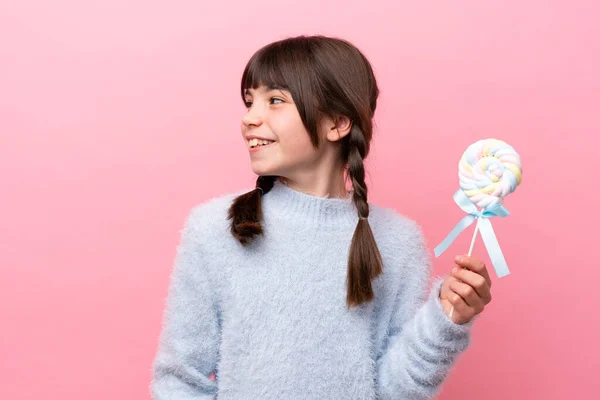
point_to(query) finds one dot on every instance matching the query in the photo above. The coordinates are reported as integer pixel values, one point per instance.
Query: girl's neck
(334, 189)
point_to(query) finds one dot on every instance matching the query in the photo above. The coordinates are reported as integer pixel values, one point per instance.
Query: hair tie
(261, 189)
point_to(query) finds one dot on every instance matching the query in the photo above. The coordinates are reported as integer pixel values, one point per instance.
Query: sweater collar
(293, 205)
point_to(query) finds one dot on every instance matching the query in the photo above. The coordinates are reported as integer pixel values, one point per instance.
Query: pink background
(116, 117)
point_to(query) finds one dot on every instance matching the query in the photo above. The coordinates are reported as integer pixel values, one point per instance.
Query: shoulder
(387, 222)
(401, 241)
(210, 217)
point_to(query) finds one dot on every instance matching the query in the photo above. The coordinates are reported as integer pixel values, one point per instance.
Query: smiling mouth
(260, 146)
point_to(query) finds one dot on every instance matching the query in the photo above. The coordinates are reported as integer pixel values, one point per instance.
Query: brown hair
(330, 76)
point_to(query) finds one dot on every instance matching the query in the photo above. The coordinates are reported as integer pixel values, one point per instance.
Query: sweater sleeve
(188, 344)
(423, 342)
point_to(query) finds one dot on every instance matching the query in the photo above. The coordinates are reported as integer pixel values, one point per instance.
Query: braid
(356, 170)
(364, 262)
(245, 212)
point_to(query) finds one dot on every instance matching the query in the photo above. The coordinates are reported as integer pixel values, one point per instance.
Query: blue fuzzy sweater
(270, 320)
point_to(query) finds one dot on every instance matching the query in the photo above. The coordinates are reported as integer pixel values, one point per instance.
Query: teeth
(255, 142)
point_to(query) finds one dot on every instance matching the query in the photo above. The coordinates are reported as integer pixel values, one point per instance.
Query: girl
(301, 288)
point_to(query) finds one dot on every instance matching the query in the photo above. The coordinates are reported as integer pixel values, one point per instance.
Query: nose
(252, 117)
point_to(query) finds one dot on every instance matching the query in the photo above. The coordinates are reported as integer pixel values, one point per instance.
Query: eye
(248, 103)
(277, 99)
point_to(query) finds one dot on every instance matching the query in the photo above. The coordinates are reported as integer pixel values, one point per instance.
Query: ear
(337, 127)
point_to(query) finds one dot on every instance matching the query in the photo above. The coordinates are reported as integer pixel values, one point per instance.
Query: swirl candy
(488, 171)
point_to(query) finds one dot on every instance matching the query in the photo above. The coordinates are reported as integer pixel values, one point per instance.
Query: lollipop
(488, 171)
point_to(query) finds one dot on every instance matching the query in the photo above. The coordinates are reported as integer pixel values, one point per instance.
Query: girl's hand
(467, 289)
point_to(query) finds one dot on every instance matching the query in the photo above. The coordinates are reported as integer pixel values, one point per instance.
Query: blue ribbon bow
(485, 227)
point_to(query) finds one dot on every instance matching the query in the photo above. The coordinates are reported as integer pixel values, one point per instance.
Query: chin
(263, 170)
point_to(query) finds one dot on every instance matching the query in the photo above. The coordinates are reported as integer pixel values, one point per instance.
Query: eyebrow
(267, 89)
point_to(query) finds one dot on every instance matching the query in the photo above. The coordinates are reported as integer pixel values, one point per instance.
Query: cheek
(299, 142)
(290, 131)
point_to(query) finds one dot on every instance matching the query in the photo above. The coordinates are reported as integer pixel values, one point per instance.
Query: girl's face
(272, 115)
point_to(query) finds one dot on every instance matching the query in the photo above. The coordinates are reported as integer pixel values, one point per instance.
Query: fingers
(476, 265)
(471, 303)
(475, 281)
(458, 305)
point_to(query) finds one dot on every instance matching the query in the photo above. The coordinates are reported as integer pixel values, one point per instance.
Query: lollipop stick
(474, 237)
(470, 252)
